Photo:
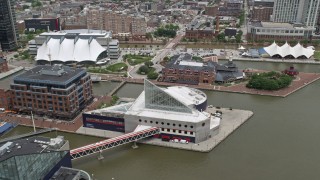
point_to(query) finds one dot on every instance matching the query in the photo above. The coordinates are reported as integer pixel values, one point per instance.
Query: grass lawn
(117, 67)
(317, 55)
(114, 68)
(137, 59)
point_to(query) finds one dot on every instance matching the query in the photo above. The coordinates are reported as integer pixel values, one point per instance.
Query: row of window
(168, 124)
(162, 123)
(177, 131)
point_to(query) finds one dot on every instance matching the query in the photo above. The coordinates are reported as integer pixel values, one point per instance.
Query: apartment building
(56, 90)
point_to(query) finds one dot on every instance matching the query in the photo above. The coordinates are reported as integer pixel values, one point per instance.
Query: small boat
(5, 126)
(95, 79)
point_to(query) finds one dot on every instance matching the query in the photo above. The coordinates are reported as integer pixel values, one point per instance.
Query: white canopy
(70, 50)
(241, 48)
(285, 50)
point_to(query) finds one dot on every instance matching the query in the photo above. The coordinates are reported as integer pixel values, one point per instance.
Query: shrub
(152, 75)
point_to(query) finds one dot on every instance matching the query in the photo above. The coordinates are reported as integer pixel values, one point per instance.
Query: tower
(8, 26)
(296, 11)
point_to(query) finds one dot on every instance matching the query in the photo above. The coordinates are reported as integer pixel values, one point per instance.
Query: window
(191, 133)
(157, 122)
(168, 124)
(173, 124)
(151, 122)
(191, 126)
(162, 123)
(174, 130)
(185, 132)
(185, 126)
(179, 125)
(179, 131)
(203, 124)
(168, 130)
(139, 120)
(145, 121)
(162, 129)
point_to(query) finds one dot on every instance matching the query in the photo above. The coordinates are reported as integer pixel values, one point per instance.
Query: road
(244, 27)
(159, 56)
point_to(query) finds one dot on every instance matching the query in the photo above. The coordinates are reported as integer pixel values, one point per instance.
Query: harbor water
(279, 142)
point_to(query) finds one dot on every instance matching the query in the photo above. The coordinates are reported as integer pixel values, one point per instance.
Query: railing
(113, 142)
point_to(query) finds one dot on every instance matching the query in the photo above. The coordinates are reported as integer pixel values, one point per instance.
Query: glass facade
(8, 26)
(156, 98)
(31, 166)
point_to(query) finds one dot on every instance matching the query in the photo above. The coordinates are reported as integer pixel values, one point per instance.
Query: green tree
(152, 75)
(148, 63)
(144, 69)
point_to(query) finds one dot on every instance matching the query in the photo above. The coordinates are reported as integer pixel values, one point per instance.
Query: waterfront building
(33, 24)
(33, 157)
(55, 90)
(178, 111)
(184, 70)
(74, 46)
(8, 26)
(259, 31)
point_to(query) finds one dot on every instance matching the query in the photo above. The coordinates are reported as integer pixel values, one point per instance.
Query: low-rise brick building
(199, 29)
(56, 90)
(6, 99)
(184, 70)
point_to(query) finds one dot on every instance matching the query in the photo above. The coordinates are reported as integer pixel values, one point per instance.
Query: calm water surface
(279, 142)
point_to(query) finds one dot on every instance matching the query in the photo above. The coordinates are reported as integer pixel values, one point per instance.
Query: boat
(95, 79)
(5, 126)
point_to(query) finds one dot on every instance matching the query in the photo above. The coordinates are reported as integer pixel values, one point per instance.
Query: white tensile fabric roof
(286, 50)
(69, 50)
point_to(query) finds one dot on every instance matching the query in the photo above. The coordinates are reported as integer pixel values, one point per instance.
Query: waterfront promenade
(47, 122)
(302, 80)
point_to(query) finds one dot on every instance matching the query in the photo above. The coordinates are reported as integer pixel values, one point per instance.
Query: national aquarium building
(178, 111)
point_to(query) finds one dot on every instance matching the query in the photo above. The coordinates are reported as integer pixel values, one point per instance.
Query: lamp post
(34, 127)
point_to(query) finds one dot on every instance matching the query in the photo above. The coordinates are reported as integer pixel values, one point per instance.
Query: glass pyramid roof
(157, 98)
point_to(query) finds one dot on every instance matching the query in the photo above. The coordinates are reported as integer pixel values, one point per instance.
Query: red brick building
(212, 10)
(3, 65)
(199, 30)
(6, 99)
(52, 90)
(262, 13)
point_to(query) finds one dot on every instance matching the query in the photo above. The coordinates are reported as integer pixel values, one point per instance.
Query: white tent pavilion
(286, 50)
(70, 50)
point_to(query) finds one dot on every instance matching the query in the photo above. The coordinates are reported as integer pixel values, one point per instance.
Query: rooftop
(68, 174)
(31, 145)
(79, 32)
(56, 74)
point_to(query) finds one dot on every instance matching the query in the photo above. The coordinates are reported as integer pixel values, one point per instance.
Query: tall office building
(8, 26)
(296, 11)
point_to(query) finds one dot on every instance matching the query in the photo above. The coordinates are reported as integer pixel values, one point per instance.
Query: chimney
(217, 25)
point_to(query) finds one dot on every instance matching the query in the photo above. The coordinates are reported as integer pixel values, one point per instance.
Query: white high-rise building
(296, 11)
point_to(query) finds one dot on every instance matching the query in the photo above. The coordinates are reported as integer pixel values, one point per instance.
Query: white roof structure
(65, 50)
(161, 103)
(191, 63)
(286, 50)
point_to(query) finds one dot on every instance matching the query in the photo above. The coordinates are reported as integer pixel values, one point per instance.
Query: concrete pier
(231, 120)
